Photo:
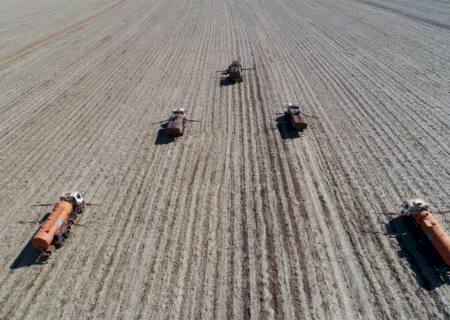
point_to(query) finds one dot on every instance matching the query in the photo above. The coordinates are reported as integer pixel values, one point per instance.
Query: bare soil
(239, 218)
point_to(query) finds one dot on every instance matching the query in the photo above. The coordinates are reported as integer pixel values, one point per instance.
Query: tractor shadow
(162, 137)
(29, 256)
(429, 268)
(224, 82)
(26, 258)
(286, 129)
(227, 82)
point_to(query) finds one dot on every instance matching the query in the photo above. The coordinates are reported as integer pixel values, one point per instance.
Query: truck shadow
(226, 82)
(429, 269)
(162, 137)
(286, 129)
(28, 256)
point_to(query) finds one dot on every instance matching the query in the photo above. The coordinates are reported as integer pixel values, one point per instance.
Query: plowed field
(238, 218)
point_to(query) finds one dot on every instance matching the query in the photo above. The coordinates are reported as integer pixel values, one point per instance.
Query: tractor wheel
(59, 241)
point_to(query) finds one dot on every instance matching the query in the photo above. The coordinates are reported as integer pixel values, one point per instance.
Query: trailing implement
(56, 227)
(176, 123)
(432, 229)
(295, 117)
(234, 72)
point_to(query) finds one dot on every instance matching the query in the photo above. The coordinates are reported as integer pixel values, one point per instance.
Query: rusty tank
(432, 229)
(294, 114)
(435, 233)
(176, 123)
(55, 229)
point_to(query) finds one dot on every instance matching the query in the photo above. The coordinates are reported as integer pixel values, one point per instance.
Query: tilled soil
(239, 218)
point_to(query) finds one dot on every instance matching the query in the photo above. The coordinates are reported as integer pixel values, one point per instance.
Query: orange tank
(296, 117)
(175, 127)
(53, 225)
(234, 72)
(298, 121)
(435, 233)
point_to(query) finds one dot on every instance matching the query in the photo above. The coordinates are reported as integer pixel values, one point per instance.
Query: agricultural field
(237, 219)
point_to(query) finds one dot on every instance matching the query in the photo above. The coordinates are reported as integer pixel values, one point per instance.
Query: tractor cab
(414, 206)
(179, 111)
(76, 198)
(177, 114)
(293, 109)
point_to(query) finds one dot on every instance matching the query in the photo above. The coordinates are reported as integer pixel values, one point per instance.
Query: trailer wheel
(59, 240)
